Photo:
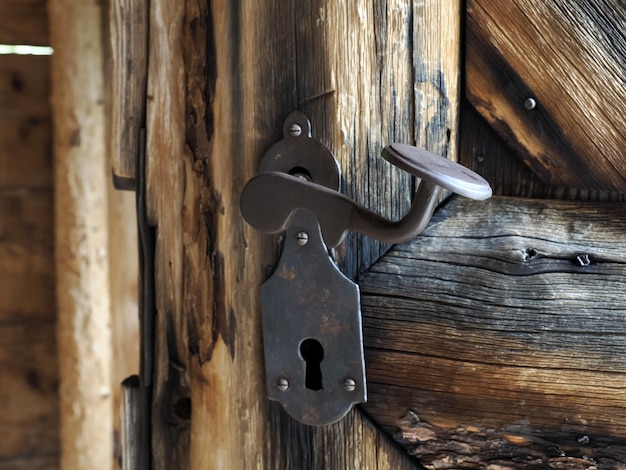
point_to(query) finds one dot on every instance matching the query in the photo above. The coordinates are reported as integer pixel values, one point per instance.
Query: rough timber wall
(28, 366)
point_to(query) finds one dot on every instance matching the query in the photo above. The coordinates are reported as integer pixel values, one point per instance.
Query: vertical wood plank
(130, 412)
(81, 238)
(165, 131)
(123, 277)
(128, 54)
(389, 73)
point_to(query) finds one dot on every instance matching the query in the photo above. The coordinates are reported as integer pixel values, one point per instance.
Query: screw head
(295, 130)
(282, 384)
(530, 103)
(303, 238)
(349, 385)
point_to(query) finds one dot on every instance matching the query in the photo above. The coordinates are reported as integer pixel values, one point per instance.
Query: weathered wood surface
(505, 315)
(131, 409)
(220, 82)
(24, 22)
(484, 151)
(570, 56)
(123, 278)
(446, 446)
(127, 70)
(28, 379)
(29, 412)
(81, 235)
(25, 135)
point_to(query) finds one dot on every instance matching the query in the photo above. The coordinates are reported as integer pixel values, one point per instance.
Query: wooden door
(221, 77)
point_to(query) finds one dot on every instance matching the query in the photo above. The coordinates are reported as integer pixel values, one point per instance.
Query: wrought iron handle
(269, 200)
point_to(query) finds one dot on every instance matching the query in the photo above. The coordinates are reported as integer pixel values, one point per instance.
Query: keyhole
(312, 352)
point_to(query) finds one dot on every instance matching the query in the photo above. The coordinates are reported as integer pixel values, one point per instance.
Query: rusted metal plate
(312, 330)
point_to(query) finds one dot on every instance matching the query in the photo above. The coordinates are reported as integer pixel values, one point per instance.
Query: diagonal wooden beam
(548, 76)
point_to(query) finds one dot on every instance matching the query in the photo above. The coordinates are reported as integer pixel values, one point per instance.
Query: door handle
(270, 199)
(311, 313)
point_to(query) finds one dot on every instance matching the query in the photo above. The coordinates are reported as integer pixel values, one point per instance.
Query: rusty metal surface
(270, 200)
(308, 298)
(300, 154)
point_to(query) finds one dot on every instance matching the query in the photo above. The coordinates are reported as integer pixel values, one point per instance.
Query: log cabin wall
(29, 411)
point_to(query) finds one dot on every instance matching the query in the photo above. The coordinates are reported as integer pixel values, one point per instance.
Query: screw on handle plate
(270, 200)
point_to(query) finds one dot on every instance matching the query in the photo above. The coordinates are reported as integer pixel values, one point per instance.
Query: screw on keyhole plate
(312, 352)
(295, 130)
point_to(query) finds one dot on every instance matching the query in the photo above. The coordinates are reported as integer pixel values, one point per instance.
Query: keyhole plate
(309, 299)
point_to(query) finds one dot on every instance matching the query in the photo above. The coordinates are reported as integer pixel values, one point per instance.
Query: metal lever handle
(269, 200)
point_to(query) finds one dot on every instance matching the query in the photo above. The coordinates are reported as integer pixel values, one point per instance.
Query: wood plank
(217, 95)
(170, 430)
(29, 422)
(81, 235)
(485, 152)
(24, 22)
(26, 244)
(25, 128)
(128, 54)
(29, 418)
(504, 316)
(130, 412)
(123, 272)
(400, 84)
(570, 58)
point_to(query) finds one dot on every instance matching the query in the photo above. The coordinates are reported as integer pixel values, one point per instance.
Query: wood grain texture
(504, 315)
(221, 80)
(131, 407)
(123, 274)
(570, 57)
(393, 70)
(24, 22)
(29, 411)
(25, 130)
(127, 69)
(445, 446)
(81, 235)
(485, 152)
(165, 147)
(28, 380)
